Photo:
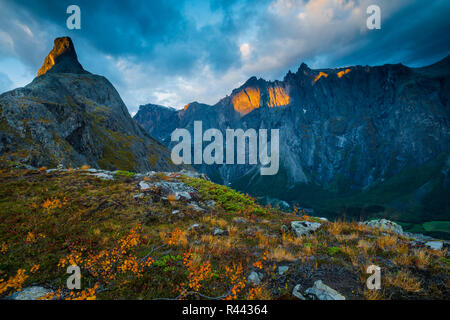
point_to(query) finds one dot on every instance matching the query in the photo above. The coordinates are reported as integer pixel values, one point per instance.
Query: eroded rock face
(71, 117)
(247, 100)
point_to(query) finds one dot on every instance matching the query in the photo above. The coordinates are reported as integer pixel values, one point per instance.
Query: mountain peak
(62, 58)
(303, 67)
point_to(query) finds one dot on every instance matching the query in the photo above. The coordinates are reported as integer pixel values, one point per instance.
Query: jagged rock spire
(62, 59)
(303, 68)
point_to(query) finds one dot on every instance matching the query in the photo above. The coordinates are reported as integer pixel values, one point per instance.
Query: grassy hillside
(144, 244)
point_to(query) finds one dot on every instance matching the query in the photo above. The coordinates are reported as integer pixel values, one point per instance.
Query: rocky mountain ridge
(357, 140)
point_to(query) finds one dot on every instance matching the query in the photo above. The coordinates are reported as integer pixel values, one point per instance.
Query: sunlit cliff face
(320, 75)
(277, 97)
(340, 74)
(249, 99)
(63, 49)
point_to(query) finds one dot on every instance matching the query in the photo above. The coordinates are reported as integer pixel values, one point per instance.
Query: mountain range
(68, 116)
(358, 141)
(86, 193)
(355, 142)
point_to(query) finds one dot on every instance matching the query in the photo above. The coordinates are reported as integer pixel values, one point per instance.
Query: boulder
(321, 291)
(384, 224)
(296, 292)
(435, 245)
(304, 227)
(30, 293)
(220, 232)
(194, 174)
(144, 185)
(194, 206)
(103, 176)
(179, 189)
(282, 270)
(196, 227)
(254, 278)
(183, 195)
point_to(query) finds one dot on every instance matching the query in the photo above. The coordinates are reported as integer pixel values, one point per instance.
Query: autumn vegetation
(135, 247)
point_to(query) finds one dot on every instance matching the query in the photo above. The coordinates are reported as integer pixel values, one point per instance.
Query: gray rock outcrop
(304, 227)
(321, 291)
(384, 224)
(30, 293)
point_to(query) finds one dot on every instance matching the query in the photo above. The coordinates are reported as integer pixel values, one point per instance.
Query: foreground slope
(179, 236)
(71, 117)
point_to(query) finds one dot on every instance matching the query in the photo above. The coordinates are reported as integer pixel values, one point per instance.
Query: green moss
(231, 200)
(124, 173)
(333, 250)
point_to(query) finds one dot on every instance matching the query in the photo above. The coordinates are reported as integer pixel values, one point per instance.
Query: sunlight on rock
(320, 75)
(247, 100)
(277, 97)
(340, 74)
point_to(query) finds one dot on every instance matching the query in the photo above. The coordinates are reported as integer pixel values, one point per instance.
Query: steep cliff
(69, 116)
(357, 140)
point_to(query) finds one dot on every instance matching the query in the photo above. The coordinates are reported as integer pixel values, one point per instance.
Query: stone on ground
(30, 293)
(304, 227)
(321, 291)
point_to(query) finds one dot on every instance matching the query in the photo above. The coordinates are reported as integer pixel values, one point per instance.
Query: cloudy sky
(173, 52)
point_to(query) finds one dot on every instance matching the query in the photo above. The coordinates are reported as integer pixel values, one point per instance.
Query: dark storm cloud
(417, 35)
(151, 31)
(177, 51)
(116, 27)
(333, 33)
